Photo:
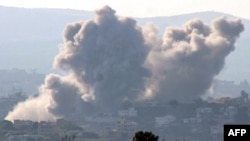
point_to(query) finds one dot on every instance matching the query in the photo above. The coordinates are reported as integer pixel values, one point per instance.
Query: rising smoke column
(185, 61)
(109, 60)
(107, 54)
(104, 60)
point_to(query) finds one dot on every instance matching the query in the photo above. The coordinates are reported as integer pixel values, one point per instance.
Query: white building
(192, 120)
(230, 112)
(127, 127)
(204, 111)
(217, 129)
(164, 121)
(131, 112)
(101, 119)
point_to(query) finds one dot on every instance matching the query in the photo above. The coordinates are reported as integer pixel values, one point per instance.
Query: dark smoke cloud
(109, 60)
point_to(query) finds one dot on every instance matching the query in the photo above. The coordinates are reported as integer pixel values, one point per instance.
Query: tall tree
(145, 136)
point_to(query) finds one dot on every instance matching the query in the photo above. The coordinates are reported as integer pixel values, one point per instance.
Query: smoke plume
(185, 61)
(109, 60)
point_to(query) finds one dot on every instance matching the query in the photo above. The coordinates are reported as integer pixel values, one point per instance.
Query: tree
(174, 103)
(145, 136)
(6, 125)
(73, 137)
(68, 137)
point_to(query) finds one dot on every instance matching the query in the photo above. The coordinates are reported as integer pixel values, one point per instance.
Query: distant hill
(33, 35)
(179, 20)
(20, 24)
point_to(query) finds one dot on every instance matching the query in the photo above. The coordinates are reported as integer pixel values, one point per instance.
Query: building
(204, 112)
(131, 112)
(125, 127)
(164, 121)
(192, 120)
(47, 127)
(23, 124)
(26, 138)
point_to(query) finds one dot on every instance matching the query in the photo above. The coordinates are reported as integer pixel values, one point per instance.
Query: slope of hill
(32, 37)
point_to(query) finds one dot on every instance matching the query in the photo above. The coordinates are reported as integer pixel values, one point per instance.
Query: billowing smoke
(110, 60)
(185, 61)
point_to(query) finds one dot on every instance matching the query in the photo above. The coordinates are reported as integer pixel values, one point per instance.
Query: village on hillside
(173, 120)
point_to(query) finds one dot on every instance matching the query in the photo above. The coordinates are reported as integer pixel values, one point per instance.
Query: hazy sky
(143, 8)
